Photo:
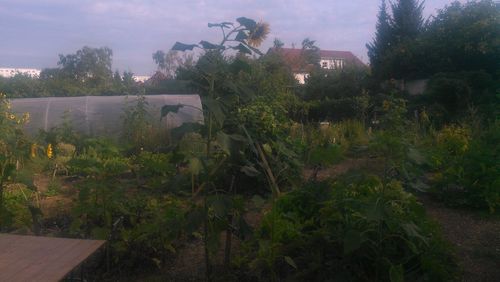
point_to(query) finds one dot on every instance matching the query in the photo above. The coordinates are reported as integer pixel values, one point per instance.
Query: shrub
(355, 229)
(467, 168)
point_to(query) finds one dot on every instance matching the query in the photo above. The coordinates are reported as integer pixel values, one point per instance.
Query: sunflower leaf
(241, 36)
(247, 23)
(178, 46)
(243, 49)
(210, 46)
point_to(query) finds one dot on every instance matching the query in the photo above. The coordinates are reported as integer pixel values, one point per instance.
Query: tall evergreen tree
(382, 41)
(407, 19)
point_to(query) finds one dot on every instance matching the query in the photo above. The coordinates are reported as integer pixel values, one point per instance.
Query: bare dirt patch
(343, 167)
(476, 240)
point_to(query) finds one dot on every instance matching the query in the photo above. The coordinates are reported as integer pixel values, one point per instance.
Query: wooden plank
(43, 257)
(32, 258)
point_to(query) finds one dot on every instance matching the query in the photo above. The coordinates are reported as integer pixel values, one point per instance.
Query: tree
(407, 20)
(91, 66)
(310, 52)
(382, 41)
(464, 37)
(277, 43)
(169, 62)
(395, 48)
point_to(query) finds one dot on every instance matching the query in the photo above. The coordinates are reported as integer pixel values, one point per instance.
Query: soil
(475, 237)
(343, 167)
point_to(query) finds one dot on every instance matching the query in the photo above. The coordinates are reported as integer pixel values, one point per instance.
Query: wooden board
(32, 258)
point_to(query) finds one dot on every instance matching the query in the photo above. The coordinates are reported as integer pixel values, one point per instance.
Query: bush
(355, 229)
(467, 172)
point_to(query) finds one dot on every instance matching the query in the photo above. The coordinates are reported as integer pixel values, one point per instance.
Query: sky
(34, 32)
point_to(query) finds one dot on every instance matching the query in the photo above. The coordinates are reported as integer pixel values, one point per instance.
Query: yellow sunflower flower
(50, 153)
(258, 34)
(33, 150)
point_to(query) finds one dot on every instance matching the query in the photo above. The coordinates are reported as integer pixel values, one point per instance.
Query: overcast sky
(34, 32)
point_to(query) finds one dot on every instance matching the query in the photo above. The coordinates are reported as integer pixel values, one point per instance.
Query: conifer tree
(382, 41)
(407, 20)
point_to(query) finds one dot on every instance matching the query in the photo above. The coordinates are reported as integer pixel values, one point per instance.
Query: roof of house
(346, 55)
(293, 57)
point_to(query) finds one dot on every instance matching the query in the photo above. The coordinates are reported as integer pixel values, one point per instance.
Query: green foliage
(86, 72)
(466, 169)
(325, 155)
(355, 229)
(53, 188)
(15, 213)
(407, 20)
(392, 54)
(330, 143)
(382, 40)
(461, 37)
(464, 37)
(263, 118)
(13, 148)
(99, 158)
(139, 129)
(337, 94)
(449, 95)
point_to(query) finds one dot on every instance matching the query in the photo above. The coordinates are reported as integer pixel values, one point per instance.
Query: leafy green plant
(354, 229)
(465, 166)
(13, 148)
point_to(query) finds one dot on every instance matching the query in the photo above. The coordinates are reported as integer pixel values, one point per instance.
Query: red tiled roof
(293, 57)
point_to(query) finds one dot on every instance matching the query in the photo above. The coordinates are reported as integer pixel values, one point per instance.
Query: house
(10, 72)
(329, 59)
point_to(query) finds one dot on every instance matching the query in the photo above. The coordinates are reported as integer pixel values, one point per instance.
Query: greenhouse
(103, 115)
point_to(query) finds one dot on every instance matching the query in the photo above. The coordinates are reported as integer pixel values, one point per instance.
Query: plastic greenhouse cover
(103, 115)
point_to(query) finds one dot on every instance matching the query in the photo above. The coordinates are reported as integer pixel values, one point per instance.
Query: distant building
(141, 78)
(329, 59)
(10, 72)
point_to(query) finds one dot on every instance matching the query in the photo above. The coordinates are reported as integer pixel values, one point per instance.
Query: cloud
(135, 29)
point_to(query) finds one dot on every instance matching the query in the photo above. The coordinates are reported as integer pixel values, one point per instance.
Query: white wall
(301, 77)
(332, 63)
(10, 72)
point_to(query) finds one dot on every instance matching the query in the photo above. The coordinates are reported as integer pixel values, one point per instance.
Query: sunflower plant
(244, 36)
(215, 171)
(12, 145)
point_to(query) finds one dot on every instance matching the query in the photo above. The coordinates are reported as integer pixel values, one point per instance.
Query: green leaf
(243, 49)
(396, 273)
(241, 36)
(412, 230)
(247, 23)
(267, 148)
(352, 241)
(415, 156)
(195, 166)
(210, 46)
(290, 261)
(170, 109)
(178, 46)
(258, 201)
(224, 142)
(8, 171)
(215, 108)
(250, 170)
(223, 24)
(240, 65)
(221, 205)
